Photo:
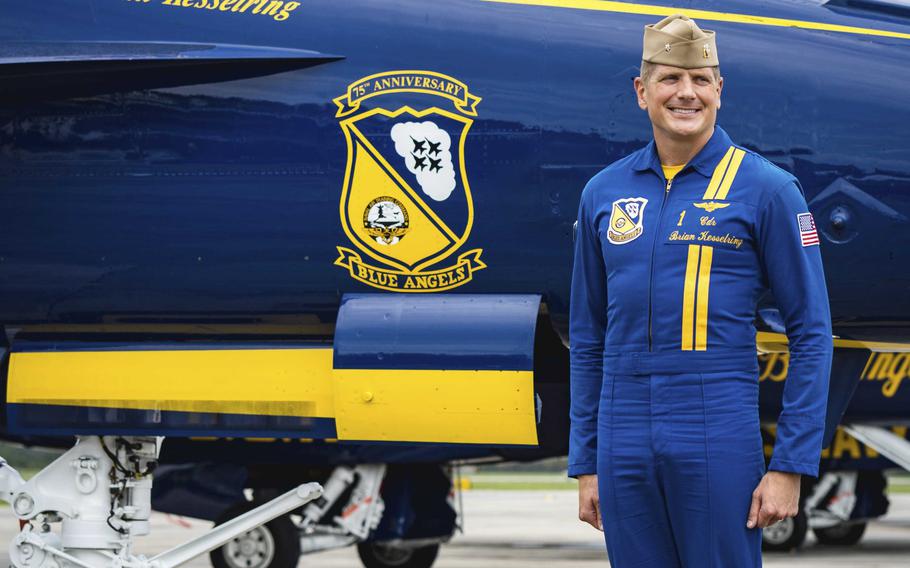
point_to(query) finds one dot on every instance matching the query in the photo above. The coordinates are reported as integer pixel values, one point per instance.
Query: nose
(685, 88)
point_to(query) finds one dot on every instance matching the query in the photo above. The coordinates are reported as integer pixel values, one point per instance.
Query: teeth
(685, 110)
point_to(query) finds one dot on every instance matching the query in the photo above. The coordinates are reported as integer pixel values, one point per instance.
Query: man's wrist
(790, 475)
(587, 481)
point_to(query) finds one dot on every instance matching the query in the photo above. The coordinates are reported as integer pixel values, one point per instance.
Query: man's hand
(775, 499)
(588, 501)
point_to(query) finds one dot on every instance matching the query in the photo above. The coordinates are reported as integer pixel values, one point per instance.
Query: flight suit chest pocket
(722, 224)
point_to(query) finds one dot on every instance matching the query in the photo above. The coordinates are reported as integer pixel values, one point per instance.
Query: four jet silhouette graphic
(422, 152)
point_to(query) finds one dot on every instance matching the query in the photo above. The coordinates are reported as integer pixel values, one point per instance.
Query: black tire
(841, 535)
(785, 535)
(378, 556)
(275, 544)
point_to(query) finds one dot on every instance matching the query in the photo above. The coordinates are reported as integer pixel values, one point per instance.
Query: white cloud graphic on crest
(426, 151)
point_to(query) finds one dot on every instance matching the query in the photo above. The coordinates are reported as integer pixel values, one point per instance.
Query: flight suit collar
(704, 162)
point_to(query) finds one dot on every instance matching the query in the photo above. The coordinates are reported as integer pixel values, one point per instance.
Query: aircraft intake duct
(455, 368)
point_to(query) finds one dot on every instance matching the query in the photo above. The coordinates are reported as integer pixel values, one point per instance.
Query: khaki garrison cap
(678, 41)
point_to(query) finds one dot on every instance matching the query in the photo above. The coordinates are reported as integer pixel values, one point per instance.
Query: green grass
(899, 483)
(522, 486)
(545, 481)
(518, 481)
(28, 472)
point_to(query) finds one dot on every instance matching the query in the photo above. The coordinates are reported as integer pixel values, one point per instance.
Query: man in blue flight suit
(675, 245)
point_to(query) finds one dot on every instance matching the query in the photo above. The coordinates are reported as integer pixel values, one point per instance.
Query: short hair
(647, 67)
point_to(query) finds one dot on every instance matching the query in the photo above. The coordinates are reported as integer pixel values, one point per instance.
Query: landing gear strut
(100, 493)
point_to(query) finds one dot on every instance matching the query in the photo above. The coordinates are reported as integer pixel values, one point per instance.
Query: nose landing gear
(100, 493)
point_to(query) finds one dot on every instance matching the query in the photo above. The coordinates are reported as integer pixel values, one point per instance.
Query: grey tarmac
(511, 529)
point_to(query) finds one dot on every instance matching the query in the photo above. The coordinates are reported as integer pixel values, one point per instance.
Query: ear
(720, 88)
(639, 86)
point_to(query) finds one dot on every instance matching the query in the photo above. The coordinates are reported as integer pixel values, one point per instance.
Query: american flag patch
(807, 233)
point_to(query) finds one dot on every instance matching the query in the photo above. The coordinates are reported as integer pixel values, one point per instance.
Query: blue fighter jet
(185, 198)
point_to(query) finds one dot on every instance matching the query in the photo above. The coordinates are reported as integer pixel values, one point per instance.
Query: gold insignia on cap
(678, 41)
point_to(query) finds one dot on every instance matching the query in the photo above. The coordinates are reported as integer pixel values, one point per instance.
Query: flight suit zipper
(660, 215)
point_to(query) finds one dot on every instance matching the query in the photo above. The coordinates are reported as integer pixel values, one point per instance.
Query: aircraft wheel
(841, 535)
(378, 556)
(785, 535)
(275, 544)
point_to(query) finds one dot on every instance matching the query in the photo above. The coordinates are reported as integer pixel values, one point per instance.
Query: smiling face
(681, 103)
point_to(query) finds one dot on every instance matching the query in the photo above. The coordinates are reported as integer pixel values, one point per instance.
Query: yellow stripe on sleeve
(688, 303)
(701, 315)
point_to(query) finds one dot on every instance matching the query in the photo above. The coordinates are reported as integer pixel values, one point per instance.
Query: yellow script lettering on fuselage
(773, 366)
(843, 446)
(279, 10)
(889, 368)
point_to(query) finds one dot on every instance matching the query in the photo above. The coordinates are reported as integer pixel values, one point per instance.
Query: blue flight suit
(664, 373)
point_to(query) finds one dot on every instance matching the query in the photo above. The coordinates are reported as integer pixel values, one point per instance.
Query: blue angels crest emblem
(406, 201)
(626, 220)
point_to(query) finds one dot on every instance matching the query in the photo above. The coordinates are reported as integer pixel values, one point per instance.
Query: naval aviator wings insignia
(710, 206)
(406, 203)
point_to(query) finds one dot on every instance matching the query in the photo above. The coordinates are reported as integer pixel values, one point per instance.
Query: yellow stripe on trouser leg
(688, 303)
(731, 174)
(718, 174)
(701, 313)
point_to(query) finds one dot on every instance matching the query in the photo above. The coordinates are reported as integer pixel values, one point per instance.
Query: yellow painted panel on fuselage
(468, 407)
(271, 382)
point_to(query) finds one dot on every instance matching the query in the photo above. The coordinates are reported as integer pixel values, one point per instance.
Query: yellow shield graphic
(406, 201)
(626, 219)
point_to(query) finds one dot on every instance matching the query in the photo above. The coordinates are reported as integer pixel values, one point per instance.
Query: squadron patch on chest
(626, 220)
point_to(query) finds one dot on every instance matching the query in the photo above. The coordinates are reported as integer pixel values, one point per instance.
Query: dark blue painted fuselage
(221, 200)
(214, 207)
